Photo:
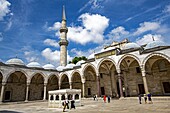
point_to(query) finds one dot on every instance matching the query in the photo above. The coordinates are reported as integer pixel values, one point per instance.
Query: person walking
(72, 104)
(104, 98)
(140, 98)
(67, 102)
(64, 106)
(145, 98)
(108, 99)
(149, 98)
(94, 97)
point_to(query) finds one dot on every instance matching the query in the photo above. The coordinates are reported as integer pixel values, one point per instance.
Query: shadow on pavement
(6, 111)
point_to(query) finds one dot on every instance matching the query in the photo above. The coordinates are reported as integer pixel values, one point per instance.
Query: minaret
(63, 40)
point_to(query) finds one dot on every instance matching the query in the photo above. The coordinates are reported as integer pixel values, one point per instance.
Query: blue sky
(29, 28)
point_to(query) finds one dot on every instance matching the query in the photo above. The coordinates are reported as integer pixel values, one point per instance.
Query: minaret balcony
(63, 29)
(63, 42)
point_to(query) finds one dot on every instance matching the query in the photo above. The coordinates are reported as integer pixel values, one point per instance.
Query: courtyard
(127, 105)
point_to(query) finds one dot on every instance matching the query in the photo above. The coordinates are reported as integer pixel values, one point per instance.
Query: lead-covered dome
(15, 61)
(154, 44)
(34, 64)
(70, 66)
(80, 62)
(49, 66)
(130, 45)
(60, 68)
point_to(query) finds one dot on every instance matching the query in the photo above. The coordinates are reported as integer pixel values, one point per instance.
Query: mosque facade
(121, 69)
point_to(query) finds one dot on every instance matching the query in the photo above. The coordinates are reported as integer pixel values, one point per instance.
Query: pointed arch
(106, 59)
(154, 54)
(75, 71)
(86, 66)
(128, 55)
(42, 74)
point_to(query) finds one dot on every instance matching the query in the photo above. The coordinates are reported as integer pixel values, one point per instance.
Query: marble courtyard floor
(128, 105)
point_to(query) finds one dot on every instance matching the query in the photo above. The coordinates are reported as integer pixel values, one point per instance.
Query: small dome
(91, 56)
(80, 62)
(34, 64)
(60, 68)
(48, 66)
(69, 66)
(130, 46)
(15, 61)
(154, 44)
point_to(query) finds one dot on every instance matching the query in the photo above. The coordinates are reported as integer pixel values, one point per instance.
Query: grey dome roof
(80, 62)
(155, 44)
(130, 45)
(69, 66)
(34, 64)
(49, 66)
(60, 68)
(15, 61)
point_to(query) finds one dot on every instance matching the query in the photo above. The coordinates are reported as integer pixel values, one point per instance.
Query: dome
(69, 66)
(154, 44)
(34, 64)
(91, 56)
(15, 61)
(80, 62)
(60, 68)
(130, 45)
(48, 66)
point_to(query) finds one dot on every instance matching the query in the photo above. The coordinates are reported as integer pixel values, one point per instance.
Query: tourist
(94, 97)
(64, 106)
(140, 98)
(149, 98)
(72, 104)
(108, 99)
(104, 98)
(145, 98)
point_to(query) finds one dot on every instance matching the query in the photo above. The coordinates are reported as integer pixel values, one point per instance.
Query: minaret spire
(64, 14)
(63, 40)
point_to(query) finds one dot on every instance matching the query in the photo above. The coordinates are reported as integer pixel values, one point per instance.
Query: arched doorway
(15, 89)
(76, 81)
(65, 82)
(158, 75)
(107, 73)
(90, 82)
(132, 81)
(52, 84)
(36, 87)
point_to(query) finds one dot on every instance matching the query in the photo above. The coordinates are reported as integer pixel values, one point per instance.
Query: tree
(76, 59)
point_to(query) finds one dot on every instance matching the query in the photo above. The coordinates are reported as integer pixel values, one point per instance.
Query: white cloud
(31, 56)
(51, 42)
(55, 27)
(4, 8)
(149, 38)
(90, 31)
(118, 32)
(53, 56)
(167, 9)
(147, 26)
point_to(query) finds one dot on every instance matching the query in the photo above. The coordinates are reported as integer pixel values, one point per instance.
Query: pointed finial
(153, 38)
(64, 14)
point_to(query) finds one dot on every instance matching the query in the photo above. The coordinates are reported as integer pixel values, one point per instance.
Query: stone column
(27, 90)
(2, 91)
(45, 91)
(70, 83)
(83, 89)
(98, 86)
(73, 97)
(145, 81)
(120, 83)
(59, 85)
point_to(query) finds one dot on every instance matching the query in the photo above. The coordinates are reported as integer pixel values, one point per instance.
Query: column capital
(45, 84)
(118, 70)
(3, 83)
(28, 83)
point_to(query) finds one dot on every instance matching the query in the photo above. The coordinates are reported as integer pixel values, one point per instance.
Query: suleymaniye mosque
(122, 70)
